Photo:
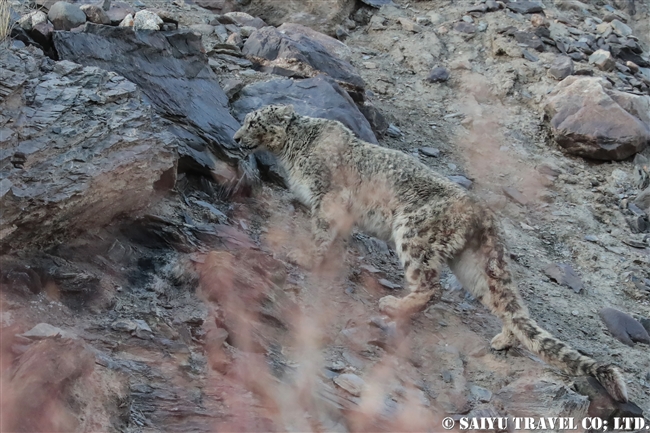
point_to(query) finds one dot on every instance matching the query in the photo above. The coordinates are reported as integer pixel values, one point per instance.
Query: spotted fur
(347, 182)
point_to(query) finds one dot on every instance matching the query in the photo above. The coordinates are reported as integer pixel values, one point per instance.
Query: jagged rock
(591, 119)
(69, 167)
(603, 60)
(643, 200)
(541, 397)
(127, 21)
(623, 327)
(601, 403)
(45, 384)
(564, 275)
(244, 19)
(65, 16)
(377, 121)
(561, 68)
(146, 20)
(315, 97)
(28, 21)
(45, 330)
(321, 15)
(42, 34)
(293, 50)
(628, 54)
(95, 14)
(204, 29)
(172, 70)
(529, 39)
(620, 28)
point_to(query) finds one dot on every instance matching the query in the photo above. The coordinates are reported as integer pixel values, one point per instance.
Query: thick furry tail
(561, 355)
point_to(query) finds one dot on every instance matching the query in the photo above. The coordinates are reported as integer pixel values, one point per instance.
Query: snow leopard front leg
(331, 225)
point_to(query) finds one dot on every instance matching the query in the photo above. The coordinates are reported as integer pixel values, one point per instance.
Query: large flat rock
(172, 70)
(315, 97)
(591, 119)
(78, 146)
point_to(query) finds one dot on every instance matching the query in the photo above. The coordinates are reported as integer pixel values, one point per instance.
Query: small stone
(575, 313)
(430, 151)
(624, 327)
(66, 16)
(482, 26)
(578, 56)
(591, 238)
(235, 39)
(538, 20)
(389, 284)
(515, 195)
(564, 275)
(481, 394)
(529, 56)
(410, 26)
(463, 27)
(423, 21)
(351, 383)
(634, 68)
(232, 86)
(603, 60)
(621, 28)
(467, 19)
(127, 21)
(95, 14)
(438, 75)
(203, 29)
(461, 180)
(393, 131)
(146, 20)
(561, 68)
(246, 31)
(525, 7)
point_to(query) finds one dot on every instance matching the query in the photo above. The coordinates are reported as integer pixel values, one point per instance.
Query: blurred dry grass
(5, 16)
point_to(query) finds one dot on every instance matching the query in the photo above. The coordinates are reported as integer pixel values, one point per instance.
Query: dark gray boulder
(78, 146)
(66, 16)
(172, 70)
(315, 97)
(623, 327)
(525, 7)
(297, 51)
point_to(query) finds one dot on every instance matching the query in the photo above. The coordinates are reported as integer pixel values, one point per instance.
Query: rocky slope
(144, 281)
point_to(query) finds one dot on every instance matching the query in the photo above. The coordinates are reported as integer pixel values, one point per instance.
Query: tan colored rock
(603, 60)
(95, 14)
(591, 119)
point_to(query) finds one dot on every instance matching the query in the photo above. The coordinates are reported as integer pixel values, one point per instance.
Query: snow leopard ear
(286, 112)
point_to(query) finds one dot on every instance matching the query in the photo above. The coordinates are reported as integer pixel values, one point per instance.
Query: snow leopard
(348, 183)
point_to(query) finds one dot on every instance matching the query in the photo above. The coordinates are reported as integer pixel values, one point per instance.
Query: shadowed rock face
(588, 118)
(299, 51)
(82, 149)
(315, 97)
(172, 70)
